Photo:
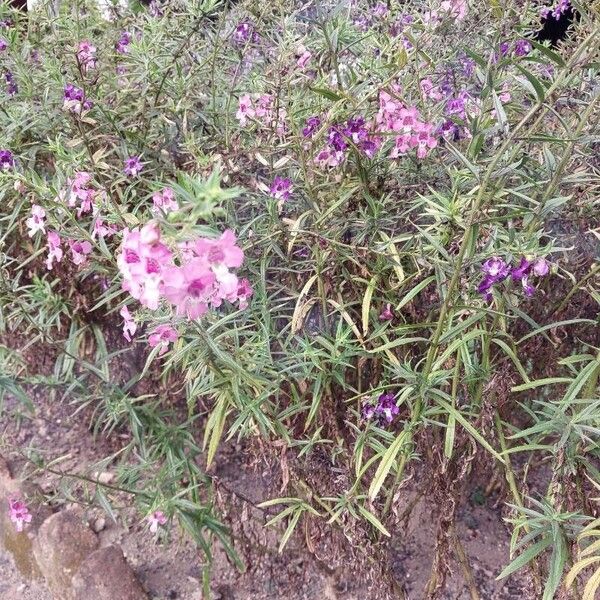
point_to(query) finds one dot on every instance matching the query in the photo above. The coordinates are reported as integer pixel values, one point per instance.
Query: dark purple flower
(504, 46)
(336, 140)
(312, 124)
(383, 412)
(11, 85)
(7, 160)
(281, 188)
(3, 44)
(132, 166)
(521, 270)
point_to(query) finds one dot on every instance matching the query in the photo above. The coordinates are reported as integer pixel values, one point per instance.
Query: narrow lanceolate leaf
(214, 428)
(366, 305)
(373, 520)
(386, 463)
(589, 592)
(526, 557)
(557, 565)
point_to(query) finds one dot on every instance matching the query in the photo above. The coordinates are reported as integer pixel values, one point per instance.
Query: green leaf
(526, 557)
(386, 463)
(373, 520)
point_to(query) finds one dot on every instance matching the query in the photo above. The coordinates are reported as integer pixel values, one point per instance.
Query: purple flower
(522, 47)
(245, 32)
(122, 45)
(312, 124)
(380, 9)
(281, 188)
(11, 85)
(19, 513)
(132, 166)
(74, 99)
(155, 9)
(383, 411)
(3, 44)
(496, 268)
(521, 270)
(7, 160)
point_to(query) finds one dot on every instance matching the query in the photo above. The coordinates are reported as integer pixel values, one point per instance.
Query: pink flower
(245, 110)
(305, 56)
(164, 201)
(423, 140)
(386, 314)
(36, 222)
(19, 513)
(129, 325)
(155, 519)
(455, 8)
(162, 336)
(86, 54)
(244, 292)
(55, 252)
(221, 252)
(540, 267)
(430, 91)
(79, 251)
(190, 288)
(101, 230)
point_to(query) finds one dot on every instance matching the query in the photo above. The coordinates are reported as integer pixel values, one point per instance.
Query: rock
(99, 524)
(105, 477)
(62, 544)
(105, 575)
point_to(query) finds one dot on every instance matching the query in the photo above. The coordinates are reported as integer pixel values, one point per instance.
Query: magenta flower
(281, 188)
(129, 325)
(7, 160)
(162, 336)
(155, 519)
(496, 270)
(132, 166)
(19, 513)
(79, 251)
(304, 57)
(36, 222)
(55, 252)
(525, 269)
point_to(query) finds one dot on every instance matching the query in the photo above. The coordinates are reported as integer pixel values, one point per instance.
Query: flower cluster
(74, 99)
(343, 136)
(412, 131)
(561, 7)
(381, 410)
(496, 270)
(19, 513)
(261, 109)
(198, 279)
